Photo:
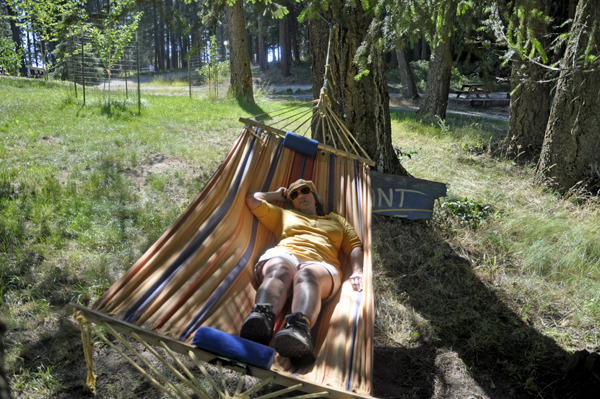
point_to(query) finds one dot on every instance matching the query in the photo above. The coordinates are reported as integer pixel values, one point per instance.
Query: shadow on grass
(249, 106)
(480, 127)
(503, 354)
(56, 348)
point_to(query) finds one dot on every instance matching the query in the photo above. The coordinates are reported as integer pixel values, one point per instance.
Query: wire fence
(129, 79)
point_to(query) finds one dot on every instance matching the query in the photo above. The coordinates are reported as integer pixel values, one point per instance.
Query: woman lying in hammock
(303, 265)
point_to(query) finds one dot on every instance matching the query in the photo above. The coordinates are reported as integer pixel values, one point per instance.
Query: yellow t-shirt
(317, 238)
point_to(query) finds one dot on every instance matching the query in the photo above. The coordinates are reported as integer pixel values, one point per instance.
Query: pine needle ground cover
(502, 284)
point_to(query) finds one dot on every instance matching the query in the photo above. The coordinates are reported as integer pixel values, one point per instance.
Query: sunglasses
(303, 190)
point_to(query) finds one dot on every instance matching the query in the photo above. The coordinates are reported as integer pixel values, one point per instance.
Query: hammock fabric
(200, 272)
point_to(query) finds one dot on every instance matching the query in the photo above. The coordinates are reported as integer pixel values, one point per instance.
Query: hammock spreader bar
(322, 147)
(183, 348)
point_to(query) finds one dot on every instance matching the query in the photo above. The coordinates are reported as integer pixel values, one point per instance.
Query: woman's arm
(356, 260)
(253, 201)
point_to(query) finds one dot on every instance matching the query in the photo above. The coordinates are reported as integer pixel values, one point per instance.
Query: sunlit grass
(84, 191)
(542, 249)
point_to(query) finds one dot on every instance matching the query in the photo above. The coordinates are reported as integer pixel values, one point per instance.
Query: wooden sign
(403, 196)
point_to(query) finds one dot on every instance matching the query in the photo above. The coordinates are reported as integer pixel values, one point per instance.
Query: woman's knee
(307, 276)
(278, 268)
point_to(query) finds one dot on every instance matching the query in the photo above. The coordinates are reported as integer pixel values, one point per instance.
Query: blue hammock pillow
(236, 348)
(301, 144)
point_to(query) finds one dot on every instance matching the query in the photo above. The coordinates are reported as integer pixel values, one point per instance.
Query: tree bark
(571, 150)
(530, 100)
(293, 25)
(424, 56)
(155, 31)
(262, 51)
(409, 88)
(250, 41)
(16, 36)
(174, 37)
(366, 102)
(417, 50)
(240, 85)
(435, 100)
(161, 36)
(284, 47)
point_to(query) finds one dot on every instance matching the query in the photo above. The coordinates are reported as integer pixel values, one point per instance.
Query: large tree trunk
(262, 50)
(241, 75)
(435, 100)
(530, 100)
(571, 151)
(409, 88)
(366, 102)
(284, 47)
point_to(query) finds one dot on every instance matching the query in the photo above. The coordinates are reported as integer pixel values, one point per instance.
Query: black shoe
(294, 341)
(258, 326)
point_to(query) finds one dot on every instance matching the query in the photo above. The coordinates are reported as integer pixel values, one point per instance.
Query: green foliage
(47, 18)
(420, 70)
(213, 69)
(469, 213)
(115, 33)
(10, 58)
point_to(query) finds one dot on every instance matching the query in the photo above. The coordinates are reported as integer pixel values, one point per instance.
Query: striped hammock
(200, 272)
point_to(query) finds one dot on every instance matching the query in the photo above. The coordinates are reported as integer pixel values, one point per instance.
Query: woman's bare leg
(277, 276)
(312, 284)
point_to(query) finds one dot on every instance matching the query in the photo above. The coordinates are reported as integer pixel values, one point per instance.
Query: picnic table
(472, 88)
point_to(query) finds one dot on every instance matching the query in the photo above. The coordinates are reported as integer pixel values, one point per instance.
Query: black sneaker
(258, 326)
(294, 341)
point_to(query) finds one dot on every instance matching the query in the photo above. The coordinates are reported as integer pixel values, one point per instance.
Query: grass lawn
(504, 280)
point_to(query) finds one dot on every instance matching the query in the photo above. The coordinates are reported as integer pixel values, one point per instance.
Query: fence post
(126, 94)
(137, 56)
(190, 75)
(82, 65)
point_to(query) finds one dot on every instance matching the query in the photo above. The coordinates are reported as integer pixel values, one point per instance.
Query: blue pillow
(301, 144)
(232, 347)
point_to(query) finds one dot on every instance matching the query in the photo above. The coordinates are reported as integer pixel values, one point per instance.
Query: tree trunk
(293, 25)
(435, 100)
(262, 51)
(167, 44)
(571, 150)
(409, 88)
(174, 37)
(29, 47)
(417, 50)
(250, 41)
(155, 32)
(241, 75)
(16, 36)
(284, 47)
(393, 59)
(530, 100)
(366, 102)
(424, 56)
(161, 36)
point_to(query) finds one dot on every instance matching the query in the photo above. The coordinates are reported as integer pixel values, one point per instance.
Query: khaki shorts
(280, 253)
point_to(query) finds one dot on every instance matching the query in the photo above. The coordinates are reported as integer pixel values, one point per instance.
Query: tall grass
(84, 191)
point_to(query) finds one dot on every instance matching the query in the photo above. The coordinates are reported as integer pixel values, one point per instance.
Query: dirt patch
(170, 171)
